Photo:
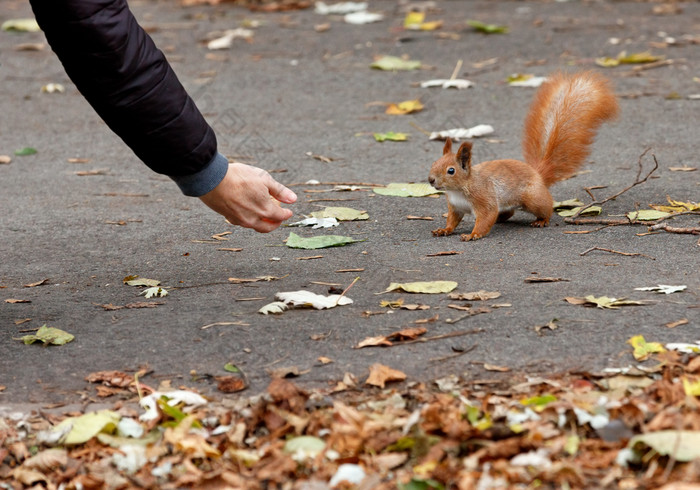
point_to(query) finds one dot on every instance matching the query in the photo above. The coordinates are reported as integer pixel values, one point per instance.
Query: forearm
(127, 80)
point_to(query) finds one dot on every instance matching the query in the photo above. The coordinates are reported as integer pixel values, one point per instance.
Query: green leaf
(390, 136)
(407, 190)
(568, 204)
(23, 152)
(644, 349)
(607, 62)
(341, 214)
(309, 446)
(487, 28)
(421, 484)
(20, 25)
(592, 211)
(428, 287)
(538, 402)
(48, 335)
(231, 368)
(647, 215)
(681, 445)
(394, 63)
(315, 242)
(83, 428)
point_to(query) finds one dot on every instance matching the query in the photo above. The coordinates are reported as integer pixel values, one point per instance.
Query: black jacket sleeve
(127, 80)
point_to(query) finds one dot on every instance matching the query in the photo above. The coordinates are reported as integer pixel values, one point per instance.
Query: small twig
(636, 182)
(594, 187)
(675, 229)
(216, 324)
(473, 312)
(452, 356)
(455, 72)
(346, 289)
(597, 221)
(656, 64)
(424, 131)
(627, 254)
(449, 335)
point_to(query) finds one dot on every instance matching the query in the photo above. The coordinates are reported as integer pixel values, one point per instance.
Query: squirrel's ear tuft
(464, 154)
(448, 146)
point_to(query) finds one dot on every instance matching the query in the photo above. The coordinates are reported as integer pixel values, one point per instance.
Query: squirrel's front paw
(442, 232)
(469, 237)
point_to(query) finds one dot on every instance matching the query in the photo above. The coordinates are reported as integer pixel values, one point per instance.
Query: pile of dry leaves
(626, 428)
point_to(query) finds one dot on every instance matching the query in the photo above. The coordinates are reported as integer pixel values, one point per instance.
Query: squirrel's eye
(451, 171)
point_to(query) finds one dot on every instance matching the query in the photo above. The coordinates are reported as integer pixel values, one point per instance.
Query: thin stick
(455, 72)
(636, 182)
(628, 254)
(457, 333)
(452, 356)
(346, 289)
(675, 229)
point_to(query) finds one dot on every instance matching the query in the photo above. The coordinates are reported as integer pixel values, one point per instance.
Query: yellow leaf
(691, 388)
(405, 107)
(644, 349)
(413, 20)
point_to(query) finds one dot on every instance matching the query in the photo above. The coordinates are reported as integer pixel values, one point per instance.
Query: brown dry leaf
(380, 340)
(407, 333)
(460, 307)
(286, 372)
(4, 159)
(15, 301)
(230, 249)
(493, 367)
(22, 320)
(432, 319)
(78, 160)
(111, 378)
(230, 384)
(35, 284)
(380, 374)
(480, 295)
(442, 254)
(324, 360)
(677, 323)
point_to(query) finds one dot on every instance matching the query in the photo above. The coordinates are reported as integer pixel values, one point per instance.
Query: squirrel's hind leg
(539, 202)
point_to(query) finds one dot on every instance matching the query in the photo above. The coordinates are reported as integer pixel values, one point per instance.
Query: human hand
(243, 197)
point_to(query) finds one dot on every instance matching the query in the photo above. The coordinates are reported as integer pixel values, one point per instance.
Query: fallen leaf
(5, 159)
(226, 40)
(379, 375)
(15, 301)
(493, 367)
(118, 379)
(462, 133)
(47, 460)
(274, 308)
(38, 283)
(140, 281)
(393, 63)
(84, 427)
(487, 28)
(429, 287)
(229, 249)
(691, 388)
(49, 336)
(362, 17)
(286, 372)
(155, 292)
(324, 360)
(20, 25)
(313, 243)
(78, 160)
(624, 58)
(476, 296)
(644, 349)
(647, 215)
(663, 289)
(567, 204)
(677, 323)
(591, 211)
(51, 88)
(602, 302)
(681, 445)
(525, 80)
(340, 8)
(390, 136)
(407, 190)
(30, 46)
(676, 206)
(230, 384)
(308, 299)
(25, 151)
(457, 83)
(303, 448)
(443, 254)
(405, 107)
(552, 325)
(341, 214)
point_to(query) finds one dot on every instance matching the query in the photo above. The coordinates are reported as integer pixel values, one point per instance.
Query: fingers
(280, 192)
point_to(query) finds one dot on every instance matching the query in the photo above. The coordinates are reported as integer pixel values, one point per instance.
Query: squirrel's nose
(431, 180)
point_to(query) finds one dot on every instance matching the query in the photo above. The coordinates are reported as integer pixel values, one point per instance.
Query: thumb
(281, 193)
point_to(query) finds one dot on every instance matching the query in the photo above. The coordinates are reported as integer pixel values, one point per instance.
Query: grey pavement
(292, 90)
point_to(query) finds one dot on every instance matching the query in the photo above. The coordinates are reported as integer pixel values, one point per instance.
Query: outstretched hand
(243, 197)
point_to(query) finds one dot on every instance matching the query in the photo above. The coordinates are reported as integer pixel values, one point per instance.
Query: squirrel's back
(563, 120)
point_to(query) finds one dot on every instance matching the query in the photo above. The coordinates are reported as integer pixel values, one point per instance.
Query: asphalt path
(292, 90)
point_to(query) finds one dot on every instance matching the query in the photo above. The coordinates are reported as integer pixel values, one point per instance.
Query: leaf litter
(585, 430)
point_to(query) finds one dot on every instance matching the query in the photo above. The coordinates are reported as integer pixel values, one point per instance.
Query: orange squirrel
(561, 125)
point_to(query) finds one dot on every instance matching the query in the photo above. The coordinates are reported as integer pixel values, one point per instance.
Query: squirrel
(560, 127)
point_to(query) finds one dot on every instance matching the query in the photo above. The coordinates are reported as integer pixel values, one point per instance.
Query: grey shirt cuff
(196, 185)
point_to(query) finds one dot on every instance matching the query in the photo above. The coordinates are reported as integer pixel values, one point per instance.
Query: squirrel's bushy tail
(563, 120)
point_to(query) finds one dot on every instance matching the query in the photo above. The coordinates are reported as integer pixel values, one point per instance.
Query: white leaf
(130, 458)
(274, 308)
(129, 428)
(530, 82)
(175, 397)
(663, 288)
(154, 292)
(462, 133)
(351, 473)
(225, 41)
(316, 223)
(538, 459)
(682, 347)
(340, 8)
(358, 18)
(307, 298)
(447, 83)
